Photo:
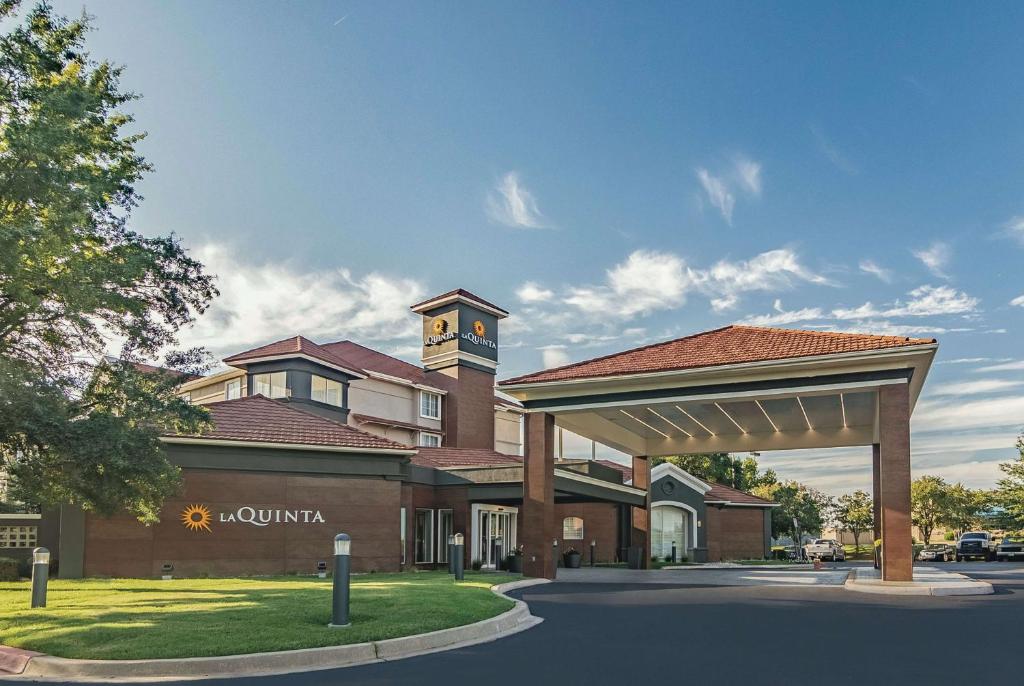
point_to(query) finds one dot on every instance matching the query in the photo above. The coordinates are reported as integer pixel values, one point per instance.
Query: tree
(1010, 492)
(929, 499)
(808, 506)
(964, 508)
(722, 468)
(74, 277)
(855, 512)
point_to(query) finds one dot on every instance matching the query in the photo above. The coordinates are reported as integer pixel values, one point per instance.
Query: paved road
(614, 633)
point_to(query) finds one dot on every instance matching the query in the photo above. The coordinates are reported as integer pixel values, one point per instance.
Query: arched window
(572, 529)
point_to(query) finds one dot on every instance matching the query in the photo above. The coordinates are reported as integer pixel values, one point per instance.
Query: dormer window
(430, 405)
(325, 390)
(272, 385)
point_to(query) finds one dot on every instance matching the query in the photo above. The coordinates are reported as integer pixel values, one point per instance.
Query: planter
(572, 560)
(514, 563)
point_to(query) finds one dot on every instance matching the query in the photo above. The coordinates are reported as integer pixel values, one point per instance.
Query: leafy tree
(722, 468)
(964, 508)
(74, 276)
(855, 511)
(929, 500)
(1010, 494)
(809, 506)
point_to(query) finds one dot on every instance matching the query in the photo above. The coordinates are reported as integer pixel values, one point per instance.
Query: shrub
(10, 569)
(477, 565)
(950, 536)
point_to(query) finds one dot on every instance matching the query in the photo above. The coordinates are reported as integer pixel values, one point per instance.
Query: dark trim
(741, 387)
(253, 459)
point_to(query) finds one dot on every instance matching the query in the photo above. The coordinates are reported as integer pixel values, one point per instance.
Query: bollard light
(342, 569)
(40, 574)
(593, 548)
(451, 553)
(167, 571)
(673, 552)
(554, 546)
(460, 557)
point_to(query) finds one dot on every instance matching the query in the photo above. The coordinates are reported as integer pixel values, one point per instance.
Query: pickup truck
(979, 544)
(824, 548)
(1011, 548)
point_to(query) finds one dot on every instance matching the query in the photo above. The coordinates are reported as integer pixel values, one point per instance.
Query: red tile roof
(381, 421)
(444, 458)
(256, 418)
(455, 293)
(729, 345)
(720, 493)
(375, 361)
(296, 345)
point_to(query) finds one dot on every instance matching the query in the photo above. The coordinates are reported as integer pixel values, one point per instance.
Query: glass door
(493, 526)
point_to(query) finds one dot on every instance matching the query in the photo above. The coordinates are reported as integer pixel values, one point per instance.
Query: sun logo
(479, 329)
(196, 517)
(440, 326)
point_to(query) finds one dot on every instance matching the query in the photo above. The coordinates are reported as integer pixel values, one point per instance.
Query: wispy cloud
(935, 257)
(510, 203)
(870, 267)
(1018, 301)
(831, 152)
(1014, 228)
(554, 356)
(772, 271)
(1003, 367)
(531, 292)
(781, 316)
(720, 187)
(982, 387)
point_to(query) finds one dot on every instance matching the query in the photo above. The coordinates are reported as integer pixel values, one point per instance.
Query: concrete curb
(947, 587)
(45, 667)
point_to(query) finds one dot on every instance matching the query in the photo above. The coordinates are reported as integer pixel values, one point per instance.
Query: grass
(121, 619)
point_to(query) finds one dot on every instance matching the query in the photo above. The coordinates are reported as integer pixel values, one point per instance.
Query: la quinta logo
(196, 518)
(199, 517)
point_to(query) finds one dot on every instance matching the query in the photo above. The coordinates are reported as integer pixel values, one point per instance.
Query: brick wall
(735, 533)
(600, 523)
(366, 509)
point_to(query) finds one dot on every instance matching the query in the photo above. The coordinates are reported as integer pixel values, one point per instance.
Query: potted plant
(572, 558)
(514, 561)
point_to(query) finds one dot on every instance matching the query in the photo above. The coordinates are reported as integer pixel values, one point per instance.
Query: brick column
(641, 516)
(894, 468)
(876, 489)
(539, 496)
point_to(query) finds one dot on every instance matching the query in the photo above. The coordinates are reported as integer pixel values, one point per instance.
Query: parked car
(824, 548)
(1010, 548)
(976, 544)
(937, 552)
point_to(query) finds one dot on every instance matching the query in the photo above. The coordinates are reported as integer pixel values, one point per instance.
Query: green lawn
(120, 619)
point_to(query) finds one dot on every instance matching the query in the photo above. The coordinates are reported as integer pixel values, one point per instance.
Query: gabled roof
(375, 361)
(298, 346)
(459, 295)
(734, 344)
(382, 421)
(144, 368)
(445, 458)
(258, 419)
(732, 496)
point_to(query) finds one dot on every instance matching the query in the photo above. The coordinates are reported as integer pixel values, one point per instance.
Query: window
(18, 536)
(668, 526)
(273, 385)
(572, 529)
(233, 389)
(326, 390)
(429, 440)
(423, 530)
(444, 531)
(402, 535)
(430, 405)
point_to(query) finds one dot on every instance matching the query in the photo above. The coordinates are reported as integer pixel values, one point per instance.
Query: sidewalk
(927, 581)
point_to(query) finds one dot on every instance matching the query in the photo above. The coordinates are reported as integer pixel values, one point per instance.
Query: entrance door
(492, 525)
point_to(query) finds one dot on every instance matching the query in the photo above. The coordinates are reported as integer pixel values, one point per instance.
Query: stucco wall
(507, 433)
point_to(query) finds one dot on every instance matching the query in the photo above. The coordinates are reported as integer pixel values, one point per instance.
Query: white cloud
(775, 270)
(965, 360)
(960, 415)
(1015, 228)
(960, 388)
(718, 193)
(645, 282)
(870, 267)
(884, 327)
(933, 300)
(749, 173)
(554, 356)
(935, 257)
(830, 151)
(720, 188)
(531, 292)
(1018, 301)
(259, 303)
(512, 204)
(782, 316)
(1003, 367)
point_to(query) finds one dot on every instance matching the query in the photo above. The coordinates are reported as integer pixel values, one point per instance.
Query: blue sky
(612, 174)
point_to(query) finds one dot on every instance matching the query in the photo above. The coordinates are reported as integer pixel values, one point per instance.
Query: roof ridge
(816, 332)
(621, 352)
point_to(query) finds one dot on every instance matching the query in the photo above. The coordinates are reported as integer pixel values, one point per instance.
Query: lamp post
(40, 573)
(342, 569)
(459, 557)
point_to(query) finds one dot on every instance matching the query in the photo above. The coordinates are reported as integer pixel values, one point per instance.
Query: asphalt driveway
(703, 632)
